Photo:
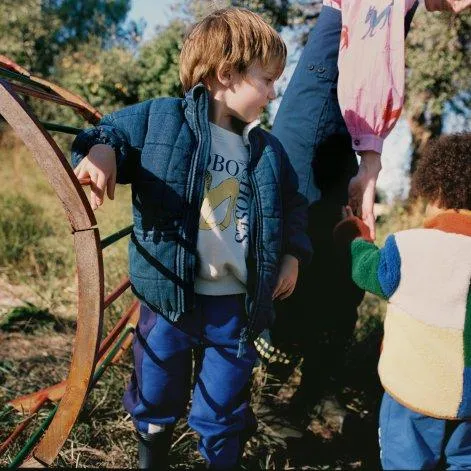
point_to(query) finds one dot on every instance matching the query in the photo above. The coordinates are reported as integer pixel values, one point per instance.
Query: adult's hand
(456, 6)
(362, 187)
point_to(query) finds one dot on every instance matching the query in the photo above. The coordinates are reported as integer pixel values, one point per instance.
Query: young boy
(424, 273)
(219, 230)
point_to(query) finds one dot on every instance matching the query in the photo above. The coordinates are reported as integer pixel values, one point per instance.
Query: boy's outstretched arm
(372, 269)
(109, 152)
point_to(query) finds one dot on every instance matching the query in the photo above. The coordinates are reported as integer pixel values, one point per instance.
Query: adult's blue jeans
(410, 440)
(320, 316)
(161, 382)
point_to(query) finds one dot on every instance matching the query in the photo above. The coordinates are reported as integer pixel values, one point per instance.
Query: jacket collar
(454, 221)
(247, 129)
(197, 100)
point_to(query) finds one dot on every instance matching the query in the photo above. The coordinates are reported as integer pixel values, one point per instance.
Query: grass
(37, 258)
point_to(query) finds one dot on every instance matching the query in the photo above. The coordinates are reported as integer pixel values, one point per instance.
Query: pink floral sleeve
(371, 68)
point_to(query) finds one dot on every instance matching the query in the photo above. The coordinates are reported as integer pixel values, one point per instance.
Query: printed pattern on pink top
(371, 68)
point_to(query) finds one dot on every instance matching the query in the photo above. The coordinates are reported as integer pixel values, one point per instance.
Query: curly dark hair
(443, 173)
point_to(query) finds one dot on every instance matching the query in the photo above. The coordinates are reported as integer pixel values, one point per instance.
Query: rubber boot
(153, 449)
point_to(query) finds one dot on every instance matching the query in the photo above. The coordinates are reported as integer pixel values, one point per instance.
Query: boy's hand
(347, 212)
(98, 169)
(349, 228)
(361, 189)
(287, 277)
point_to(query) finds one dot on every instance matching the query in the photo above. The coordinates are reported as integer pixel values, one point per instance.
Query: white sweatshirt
(223, 236)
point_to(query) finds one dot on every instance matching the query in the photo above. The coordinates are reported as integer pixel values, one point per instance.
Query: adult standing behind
(344, 97)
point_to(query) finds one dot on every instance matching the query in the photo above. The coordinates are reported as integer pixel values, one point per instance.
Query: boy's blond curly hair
(233, 37)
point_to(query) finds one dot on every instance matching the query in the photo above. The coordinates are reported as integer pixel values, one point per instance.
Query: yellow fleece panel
(422, 365)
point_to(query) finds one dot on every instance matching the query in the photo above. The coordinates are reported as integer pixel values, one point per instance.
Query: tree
(81, 19)
(106, 78)
(438, 72)
(158, 63)
(34, 32)
(24, 30)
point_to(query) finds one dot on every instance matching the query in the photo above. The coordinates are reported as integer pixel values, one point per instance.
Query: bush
(22, 226)
(29, 319)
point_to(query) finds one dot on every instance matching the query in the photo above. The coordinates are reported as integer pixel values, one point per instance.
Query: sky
(394, 177)
(154, 12)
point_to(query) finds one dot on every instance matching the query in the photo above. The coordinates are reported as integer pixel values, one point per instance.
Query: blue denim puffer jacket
(163, 149)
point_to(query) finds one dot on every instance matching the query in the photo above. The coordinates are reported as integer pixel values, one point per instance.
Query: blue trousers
(161, 382)
(311, 128)
(410, 440)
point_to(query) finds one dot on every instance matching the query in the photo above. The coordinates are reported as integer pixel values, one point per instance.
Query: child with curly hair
(424, 273)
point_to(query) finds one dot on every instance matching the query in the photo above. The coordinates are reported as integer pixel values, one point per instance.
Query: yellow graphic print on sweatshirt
(213, 198)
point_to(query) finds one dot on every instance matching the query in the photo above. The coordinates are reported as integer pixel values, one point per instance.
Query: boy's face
(250, 93)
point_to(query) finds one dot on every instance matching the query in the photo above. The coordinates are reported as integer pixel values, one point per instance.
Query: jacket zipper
(258, 245)
(192, 196)
(189, 198)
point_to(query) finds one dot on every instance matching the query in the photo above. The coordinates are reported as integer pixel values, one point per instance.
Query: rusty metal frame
(89, 269)
(89, 357)
(91, 114)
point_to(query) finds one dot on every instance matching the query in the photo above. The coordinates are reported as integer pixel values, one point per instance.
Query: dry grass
(103, 436)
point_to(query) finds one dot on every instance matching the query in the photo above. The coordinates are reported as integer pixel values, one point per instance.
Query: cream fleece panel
(434, 262)
(422, 365)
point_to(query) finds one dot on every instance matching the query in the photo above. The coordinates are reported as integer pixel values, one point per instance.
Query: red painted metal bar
(54, 393)
(117, 292)
(14, 71)
(9, 64)
(108, 341)
(33, 461)
(49, 157)
(23, 89)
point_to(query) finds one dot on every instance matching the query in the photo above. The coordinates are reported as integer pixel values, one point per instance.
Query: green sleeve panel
(365, 266)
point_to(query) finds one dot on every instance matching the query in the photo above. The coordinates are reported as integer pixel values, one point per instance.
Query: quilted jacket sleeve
(124, 131)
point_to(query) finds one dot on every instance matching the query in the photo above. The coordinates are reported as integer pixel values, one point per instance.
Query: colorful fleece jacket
(424, 273)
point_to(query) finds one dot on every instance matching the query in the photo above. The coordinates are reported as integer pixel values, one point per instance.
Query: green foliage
(27, 319)
(106, 78)
(34, 32)
(81, 19)
(112, 78)
(21, 228)
(276, 13)
(438, 60)
(25, 30)
(438, 64)
(157, 63)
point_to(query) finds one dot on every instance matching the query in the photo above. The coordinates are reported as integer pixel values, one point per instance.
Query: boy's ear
(225, 75)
